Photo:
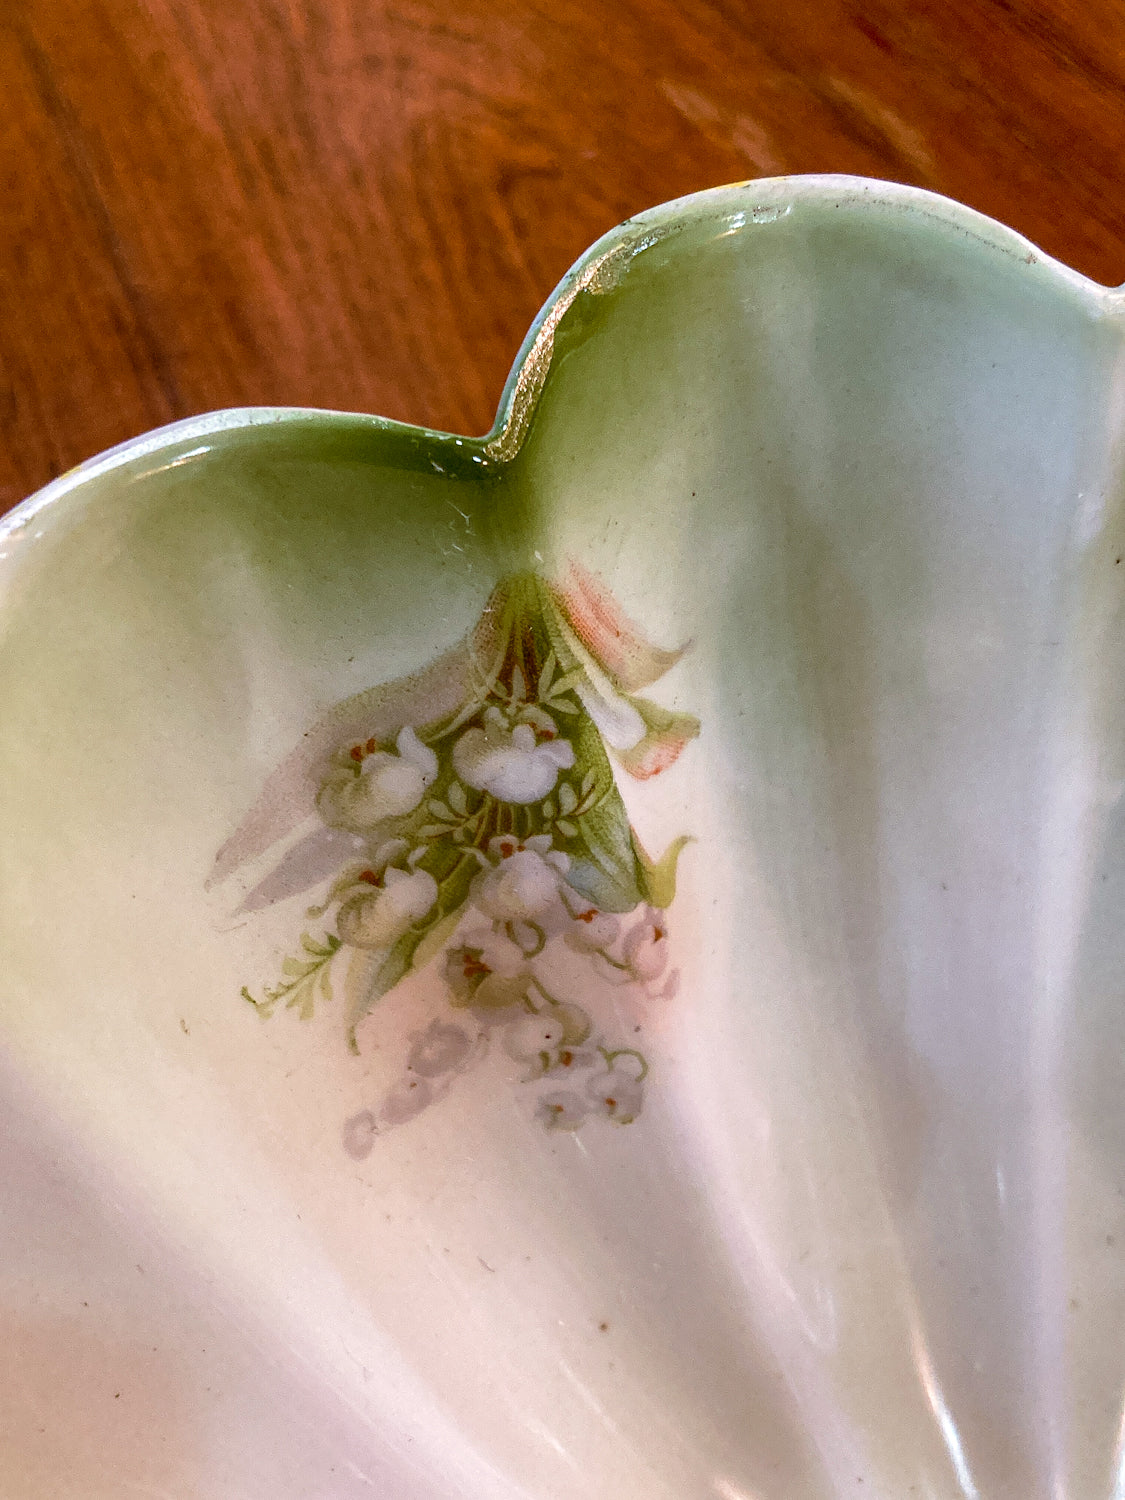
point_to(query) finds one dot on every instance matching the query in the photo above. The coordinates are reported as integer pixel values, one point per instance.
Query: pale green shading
(858, 445)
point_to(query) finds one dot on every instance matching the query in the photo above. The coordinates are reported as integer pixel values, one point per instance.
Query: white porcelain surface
(861, 447)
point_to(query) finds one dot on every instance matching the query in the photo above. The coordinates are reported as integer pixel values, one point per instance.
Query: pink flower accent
(617, 661)
(660, 747)
(646, 946)
(615, 641)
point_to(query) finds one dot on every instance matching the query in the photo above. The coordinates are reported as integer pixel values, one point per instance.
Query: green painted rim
(756, 202)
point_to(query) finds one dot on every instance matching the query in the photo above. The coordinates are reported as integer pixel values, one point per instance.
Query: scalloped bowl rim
(506, 433)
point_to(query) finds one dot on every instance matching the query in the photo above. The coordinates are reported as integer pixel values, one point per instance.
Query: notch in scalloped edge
(597, 276)
(600, 270)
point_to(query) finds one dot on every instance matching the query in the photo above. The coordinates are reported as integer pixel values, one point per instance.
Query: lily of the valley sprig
(468, 818)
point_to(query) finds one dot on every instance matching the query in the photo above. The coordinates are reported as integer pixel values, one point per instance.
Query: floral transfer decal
(468, 818)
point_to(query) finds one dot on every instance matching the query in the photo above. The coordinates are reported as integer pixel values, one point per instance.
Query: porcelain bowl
(588, 961)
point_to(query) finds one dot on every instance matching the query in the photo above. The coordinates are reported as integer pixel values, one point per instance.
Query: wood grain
(362, 203)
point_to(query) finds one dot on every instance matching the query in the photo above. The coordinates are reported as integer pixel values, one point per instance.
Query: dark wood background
(362, 203)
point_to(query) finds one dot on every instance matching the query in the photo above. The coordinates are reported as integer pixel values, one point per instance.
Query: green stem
(540, 935)
(545, 992)
(617, 964)
(486, 814)
(626, 1052)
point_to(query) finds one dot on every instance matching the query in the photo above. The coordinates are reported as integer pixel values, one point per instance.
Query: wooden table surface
(362, 203)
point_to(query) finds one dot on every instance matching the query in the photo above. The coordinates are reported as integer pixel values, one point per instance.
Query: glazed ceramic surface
(589, 961)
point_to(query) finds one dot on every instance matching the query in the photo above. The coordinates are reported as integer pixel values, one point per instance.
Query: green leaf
(658, 879)
(302, 998)
(435, 939)
(362, 968)
(609, 876)
(457, 799)
(567, 799)
(263, 1007)
(547, 673)
(567, 828)
(603, 866)
(323, 949)
(303, 975)
(453, 869)
(566, 684)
